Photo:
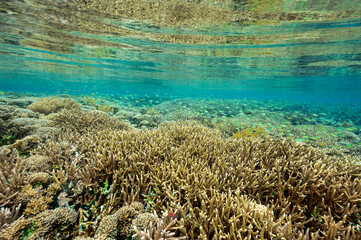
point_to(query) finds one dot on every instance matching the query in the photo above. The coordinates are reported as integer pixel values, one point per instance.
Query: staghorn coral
(15, 230)
(83, 121)
(162, 230)
(37, 163)
(222, 188)
(144, 221)
(39, 178)
(119, 223)
(52, 105)
(8, 216)
(12, 177)
(9, 130)
(45, 225)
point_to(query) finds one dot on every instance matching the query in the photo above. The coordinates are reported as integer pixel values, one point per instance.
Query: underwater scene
(180, 119)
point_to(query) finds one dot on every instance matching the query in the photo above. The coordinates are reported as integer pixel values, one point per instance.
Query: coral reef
(25, 145)
(261, 186)
(99, 178)
(37, 163)
(45, 225)
(8, 216)
(120, 223)
(41, 178)
(12, 178)
(83, 121)
(37, 197)
(141, 119)
(9, 130)
(144, 221)
(163, 228)
(52, 105)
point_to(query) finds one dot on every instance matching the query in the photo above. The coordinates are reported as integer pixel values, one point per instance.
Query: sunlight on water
(52, 45)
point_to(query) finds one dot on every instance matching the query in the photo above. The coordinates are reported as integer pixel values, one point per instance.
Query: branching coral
(52, 105)
(216, 188)
(157, 229)
(8, 216)
(83, 121)
(12, 177)
(38, 163)
(144, 221)
(41, 178)
(36, 198)
(10, 131)
(45, 225)
(26, 144)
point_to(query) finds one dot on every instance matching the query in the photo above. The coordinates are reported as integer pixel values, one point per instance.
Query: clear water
(51, 47)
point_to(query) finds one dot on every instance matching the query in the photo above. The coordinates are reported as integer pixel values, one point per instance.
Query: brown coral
(216, 188)
(119, 223)
(84, 121)
(8, 216)
(9, 130)
(108, 227)
(158, 228)
(36, 198)
(38, 163)
(52, 105)
(49, 220)
(14, 230)
(26, 144)
(39, 178)
(45, 225)
(144, 221)
(125, 216)
(12, 177)
(186, 161)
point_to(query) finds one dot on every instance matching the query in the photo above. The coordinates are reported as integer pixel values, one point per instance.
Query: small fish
(63, 20)
(172, 215)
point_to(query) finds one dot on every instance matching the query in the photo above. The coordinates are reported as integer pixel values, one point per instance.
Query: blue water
(299, 61)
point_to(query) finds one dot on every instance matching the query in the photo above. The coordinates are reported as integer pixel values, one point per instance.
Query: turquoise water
(316, 61)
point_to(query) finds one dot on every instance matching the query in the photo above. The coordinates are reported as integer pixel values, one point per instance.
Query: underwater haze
(180, 119)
